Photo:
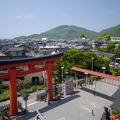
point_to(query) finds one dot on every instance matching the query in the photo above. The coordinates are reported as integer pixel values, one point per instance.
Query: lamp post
(92, 66)
(92, 63)
(103, 68)
(62, 72)
(25, 98)
(94, 82)
(86, 78)
(44, 53)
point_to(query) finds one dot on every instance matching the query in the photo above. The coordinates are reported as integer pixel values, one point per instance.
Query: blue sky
(27, 17)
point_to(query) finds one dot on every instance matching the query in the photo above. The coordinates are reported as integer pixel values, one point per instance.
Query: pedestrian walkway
(77, 106)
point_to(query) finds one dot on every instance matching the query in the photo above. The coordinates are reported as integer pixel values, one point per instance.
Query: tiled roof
(109, 55)
(16, 49)
(62, 49)
(116, 95)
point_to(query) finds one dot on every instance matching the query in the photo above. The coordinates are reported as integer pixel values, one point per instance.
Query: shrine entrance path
(77, 106)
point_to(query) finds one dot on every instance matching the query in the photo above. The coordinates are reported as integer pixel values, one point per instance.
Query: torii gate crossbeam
(12, 64)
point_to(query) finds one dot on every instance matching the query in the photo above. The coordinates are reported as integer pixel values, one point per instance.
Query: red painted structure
(116, 117)
(11, 66)
(96, 73)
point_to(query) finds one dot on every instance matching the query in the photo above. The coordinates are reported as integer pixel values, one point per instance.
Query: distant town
(18, 49)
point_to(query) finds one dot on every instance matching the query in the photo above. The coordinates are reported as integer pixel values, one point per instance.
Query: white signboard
(94, 84)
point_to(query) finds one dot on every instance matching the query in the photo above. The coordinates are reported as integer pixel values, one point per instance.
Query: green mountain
(68, 32)
(71, 32)
(63, 32)
(113, 31)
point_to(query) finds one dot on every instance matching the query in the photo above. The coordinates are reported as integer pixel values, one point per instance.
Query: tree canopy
(75, 57)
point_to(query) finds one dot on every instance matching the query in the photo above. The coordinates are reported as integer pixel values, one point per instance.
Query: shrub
(34, 88)
(4, 96)
(114, 112)
(23, 86)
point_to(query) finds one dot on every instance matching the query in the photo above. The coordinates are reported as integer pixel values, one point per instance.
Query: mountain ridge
(72, 32)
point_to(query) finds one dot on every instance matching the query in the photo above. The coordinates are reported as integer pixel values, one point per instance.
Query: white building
(115, 39)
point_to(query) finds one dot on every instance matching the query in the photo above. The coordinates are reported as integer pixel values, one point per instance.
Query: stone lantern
(25, 98)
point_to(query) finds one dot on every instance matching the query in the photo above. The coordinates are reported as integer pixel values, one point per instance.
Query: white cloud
(108, 12)
(25, 16)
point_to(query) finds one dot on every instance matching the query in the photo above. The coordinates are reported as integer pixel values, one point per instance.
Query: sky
(27, 17)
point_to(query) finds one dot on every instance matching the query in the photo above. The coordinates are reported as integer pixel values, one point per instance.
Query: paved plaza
(77, 106)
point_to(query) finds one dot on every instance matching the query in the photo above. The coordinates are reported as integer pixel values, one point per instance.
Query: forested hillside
(68, 32)
(113, 31)
(72, 32)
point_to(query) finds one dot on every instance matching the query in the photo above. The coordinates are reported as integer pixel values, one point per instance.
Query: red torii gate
(11, 65)
(96, 73)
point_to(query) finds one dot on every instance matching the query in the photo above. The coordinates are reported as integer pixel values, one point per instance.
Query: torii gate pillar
(13, 92)
(49, 81)
(13, 73)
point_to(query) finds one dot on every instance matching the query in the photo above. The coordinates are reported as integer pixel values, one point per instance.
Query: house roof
(47, 58)
(80, 47)
(62, 49)
(16, 49)
(109, 55)
(116, 105)
(116, 95)
(60, 44)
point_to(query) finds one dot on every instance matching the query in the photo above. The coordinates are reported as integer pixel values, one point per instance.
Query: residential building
(19, 50)
(113, 39)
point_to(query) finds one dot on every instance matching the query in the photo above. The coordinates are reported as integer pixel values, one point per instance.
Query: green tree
(110, 47)
(99, 38)
(75, 57)
(87, 60)
(117, 50)
(7, 54)
(106, 62)
(101, 49)
(82, 36)
(71, 58)
(107, 37)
